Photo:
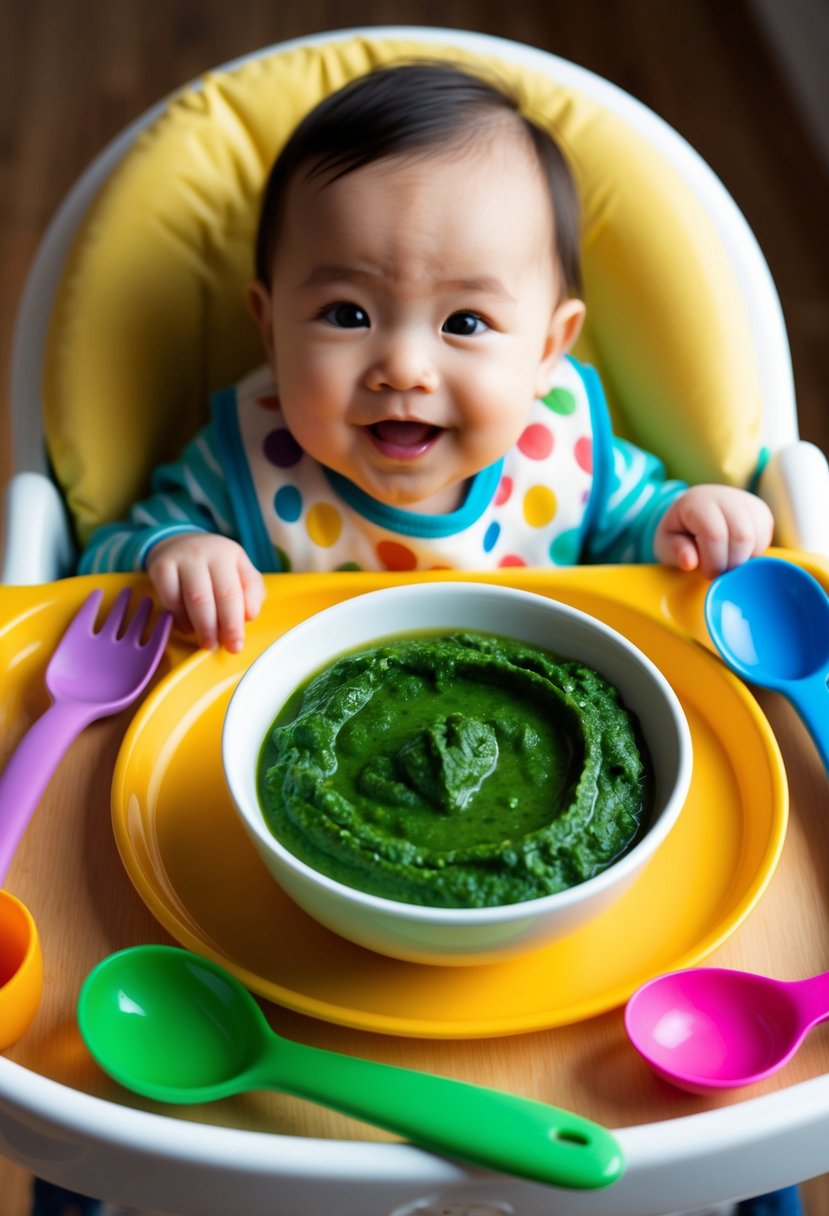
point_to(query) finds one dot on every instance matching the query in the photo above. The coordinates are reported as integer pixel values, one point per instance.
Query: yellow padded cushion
(150, 315)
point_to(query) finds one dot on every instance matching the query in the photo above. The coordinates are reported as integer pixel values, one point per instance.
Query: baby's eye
(464, 324)
(346, 316)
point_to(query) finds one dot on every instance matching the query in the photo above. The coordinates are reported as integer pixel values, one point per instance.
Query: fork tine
(86, 616)
(134, 631)
(115, 617)
(161, 631)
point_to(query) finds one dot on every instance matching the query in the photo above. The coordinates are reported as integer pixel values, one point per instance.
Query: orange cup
(21, 969)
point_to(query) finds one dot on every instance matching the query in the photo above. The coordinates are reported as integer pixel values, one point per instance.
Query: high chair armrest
(37, 542)
(795, 484)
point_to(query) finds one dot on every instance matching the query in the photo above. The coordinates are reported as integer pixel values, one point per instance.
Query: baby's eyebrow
(333, 272)
(486, 284)
(330, 272)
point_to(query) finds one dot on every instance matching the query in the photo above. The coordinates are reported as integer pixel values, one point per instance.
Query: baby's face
(415, 315)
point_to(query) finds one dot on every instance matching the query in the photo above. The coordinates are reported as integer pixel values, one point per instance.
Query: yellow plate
(191, 862)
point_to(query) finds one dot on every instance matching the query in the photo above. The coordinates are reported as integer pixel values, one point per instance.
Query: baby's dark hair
(412, 108)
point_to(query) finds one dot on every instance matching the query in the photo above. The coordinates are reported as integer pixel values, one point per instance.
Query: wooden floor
(74, 72)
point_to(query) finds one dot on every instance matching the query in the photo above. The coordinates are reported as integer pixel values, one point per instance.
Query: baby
(417, 294)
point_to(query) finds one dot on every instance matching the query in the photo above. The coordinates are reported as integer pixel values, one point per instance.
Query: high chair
(133, 313)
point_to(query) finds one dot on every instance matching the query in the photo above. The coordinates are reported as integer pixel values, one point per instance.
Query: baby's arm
(646, 517)
(209, 584)
(712, 528)
(183, 536)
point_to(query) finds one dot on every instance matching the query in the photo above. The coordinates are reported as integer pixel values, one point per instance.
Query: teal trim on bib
(412, 523)
(253, 535)
(602, 443)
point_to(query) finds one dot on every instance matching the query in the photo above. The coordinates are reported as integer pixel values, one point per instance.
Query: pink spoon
(709, 1029)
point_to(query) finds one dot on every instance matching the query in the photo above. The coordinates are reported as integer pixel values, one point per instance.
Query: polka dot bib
(528, 509)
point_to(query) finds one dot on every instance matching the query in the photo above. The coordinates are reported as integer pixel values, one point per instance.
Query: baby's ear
(565, 327)
(259, 304)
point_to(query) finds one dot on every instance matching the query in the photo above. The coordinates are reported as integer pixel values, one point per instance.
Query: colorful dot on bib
(281, 449)
(395, 556)
(561, 401)
(536, 441)
(539, 506)
(491, 536)
(502, 494)
(583, 452)
(564, 548)
(324, 524)
(287, 502)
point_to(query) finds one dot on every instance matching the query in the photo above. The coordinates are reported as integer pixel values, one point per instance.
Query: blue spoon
(769, 619)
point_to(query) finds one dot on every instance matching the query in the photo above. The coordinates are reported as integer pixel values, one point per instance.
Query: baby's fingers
(681, 551)
(731, 532)
(231, 611)
(209, 584)
(239, 591)
(199, 601)
(253, 587)
(165, 576)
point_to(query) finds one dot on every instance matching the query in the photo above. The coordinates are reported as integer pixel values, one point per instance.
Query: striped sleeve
(625, 524)
(188, 495)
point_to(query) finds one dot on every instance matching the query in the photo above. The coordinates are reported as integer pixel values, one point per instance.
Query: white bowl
(453, 936)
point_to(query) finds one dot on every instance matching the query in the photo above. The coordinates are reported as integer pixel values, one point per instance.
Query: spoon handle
(485, 1127)
(811, 997)
(810, 698)
(29, 770)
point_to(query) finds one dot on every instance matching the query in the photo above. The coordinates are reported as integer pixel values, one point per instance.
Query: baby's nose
(403, 365)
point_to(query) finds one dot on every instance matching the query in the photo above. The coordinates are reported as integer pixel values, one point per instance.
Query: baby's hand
(713, 528)
(209, 584)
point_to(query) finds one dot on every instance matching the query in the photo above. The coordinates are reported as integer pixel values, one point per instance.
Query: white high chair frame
(151, 1161)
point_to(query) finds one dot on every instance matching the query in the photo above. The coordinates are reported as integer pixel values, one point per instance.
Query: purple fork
(90, 675)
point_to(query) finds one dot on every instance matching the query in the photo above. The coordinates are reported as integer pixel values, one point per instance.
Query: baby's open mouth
(404, 440)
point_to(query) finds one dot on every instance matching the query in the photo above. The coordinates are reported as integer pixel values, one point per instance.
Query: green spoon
(175, 1027)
